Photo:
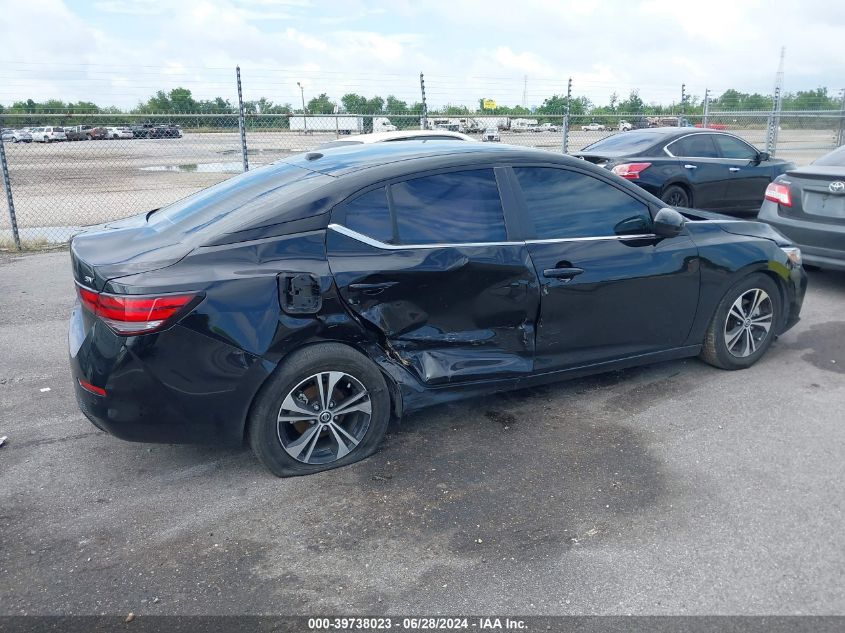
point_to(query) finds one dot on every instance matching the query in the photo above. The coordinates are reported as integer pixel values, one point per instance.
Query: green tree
(321, 105)
(633, 104)
(395, 106)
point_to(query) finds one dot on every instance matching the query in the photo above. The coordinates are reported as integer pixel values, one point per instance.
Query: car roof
(380, 137)
(338, 161)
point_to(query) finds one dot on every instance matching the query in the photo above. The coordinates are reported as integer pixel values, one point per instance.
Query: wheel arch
(683, 185)
(375, 356)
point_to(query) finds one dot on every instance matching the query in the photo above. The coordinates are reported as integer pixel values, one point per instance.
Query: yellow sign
(488, 104)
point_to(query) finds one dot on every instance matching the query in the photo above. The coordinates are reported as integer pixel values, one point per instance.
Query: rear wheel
(675, 196)
(325, 406)
(744, 324)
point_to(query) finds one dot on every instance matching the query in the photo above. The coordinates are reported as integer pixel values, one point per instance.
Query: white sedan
(401, 135)
(118, 132)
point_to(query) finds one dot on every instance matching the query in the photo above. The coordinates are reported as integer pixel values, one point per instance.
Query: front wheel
(744, 324)
(325, 406)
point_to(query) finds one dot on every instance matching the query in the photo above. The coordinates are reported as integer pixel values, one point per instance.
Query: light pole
(304, 118)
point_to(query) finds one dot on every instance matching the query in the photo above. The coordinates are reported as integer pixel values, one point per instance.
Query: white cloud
(467, 49)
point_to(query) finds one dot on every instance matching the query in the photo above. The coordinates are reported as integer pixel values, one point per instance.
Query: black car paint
(821, 236)
(441, 322)
(709, 182)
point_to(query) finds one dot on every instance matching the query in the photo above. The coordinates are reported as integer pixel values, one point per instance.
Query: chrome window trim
(713, 133)
(364, 239)
(638, 236)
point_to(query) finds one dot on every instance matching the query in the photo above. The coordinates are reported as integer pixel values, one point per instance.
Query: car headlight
(793, 254)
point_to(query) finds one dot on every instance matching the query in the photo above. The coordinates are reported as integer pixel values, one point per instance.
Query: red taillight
(631, 171)
(777, 192)
(130, 314)
(87, 386)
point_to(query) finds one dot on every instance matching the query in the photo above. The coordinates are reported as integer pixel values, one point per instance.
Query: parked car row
(54, 133)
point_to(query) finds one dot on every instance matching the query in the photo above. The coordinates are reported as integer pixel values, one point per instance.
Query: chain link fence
(78, 170)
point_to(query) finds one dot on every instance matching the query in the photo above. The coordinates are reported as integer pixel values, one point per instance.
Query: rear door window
(369, 214)
(694, 146)
(570, 204)
(730, 147)
(456, 207)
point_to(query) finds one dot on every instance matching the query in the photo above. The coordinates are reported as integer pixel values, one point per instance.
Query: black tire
(675, 196)
(267, 433)
(748, 348)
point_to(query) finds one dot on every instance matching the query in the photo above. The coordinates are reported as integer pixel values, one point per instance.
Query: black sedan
(686, 167)
(808, 205)
(302, 305)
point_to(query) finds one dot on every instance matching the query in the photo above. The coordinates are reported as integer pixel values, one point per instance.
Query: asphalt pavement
(670, 489)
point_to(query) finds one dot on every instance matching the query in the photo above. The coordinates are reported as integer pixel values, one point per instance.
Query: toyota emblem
(837, 187)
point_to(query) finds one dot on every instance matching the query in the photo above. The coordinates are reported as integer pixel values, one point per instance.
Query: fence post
(683, 104)
(841, 140)
(7, 185)
(564, 141)
(705, 119)
(241, 121)
(424, 121)
(774, 123)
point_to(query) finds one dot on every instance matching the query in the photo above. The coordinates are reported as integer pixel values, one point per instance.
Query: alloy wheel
(324, 417)
(748, 323)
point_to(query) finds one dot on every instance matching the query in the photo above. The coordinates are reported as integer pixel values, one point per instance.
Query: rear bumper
(175, 386)
(821, 244)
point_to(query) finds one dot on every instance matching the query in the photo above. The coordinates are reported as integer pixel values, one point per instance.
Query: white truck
(522, 125)
(383, 124)
(339, 123)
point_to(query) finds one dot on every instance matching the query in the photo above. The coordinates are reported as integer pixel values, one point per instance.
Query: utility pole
(774, 119)
(524, 89)
(424, 122)
(304, 118)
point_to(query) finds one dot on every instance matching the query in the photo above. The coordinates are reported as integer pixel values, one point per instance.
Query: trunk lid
(813, 199)
(123, 248)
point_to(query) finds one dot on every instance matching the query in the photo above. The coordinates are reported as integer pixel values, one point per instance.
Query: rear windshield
(263, 193)
(835, 159)
(624, 143)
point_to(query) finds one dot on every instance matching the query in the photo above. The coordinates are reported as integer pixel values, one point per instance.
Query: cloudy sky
(117, 52)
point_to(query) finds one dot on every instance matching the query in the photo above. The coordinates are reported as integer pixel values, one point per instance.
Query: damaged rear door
(426, 262)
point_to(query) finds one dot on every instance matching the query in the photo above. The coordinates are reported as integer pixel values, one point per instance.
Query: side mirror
(668, 223)
(762, 157)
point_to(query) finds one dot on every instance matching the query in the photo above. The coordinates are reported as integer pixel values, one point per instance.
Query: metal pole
(304, 117)
(424, 121)
(683, 103)
(706, 117)
(7, 185)
(241, 121)
(774, 123)
(564, 142)
(841, 140)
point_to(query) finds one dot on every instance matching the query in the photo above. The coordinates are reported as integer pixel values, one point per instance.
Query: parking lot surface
(671, 489)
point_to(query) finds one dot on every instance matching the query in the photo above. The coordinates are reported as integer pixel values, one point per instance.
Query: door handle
(562, 273)
(690, 166)
(733, 168)
(372, 289)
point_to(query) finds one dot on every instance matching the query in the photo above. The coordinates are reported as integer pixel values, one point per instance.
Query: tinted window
(730, 147)
(370, 215)
(570, 204)
(626, 142)
(458, 207)
(697, 146)
(835, 159)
